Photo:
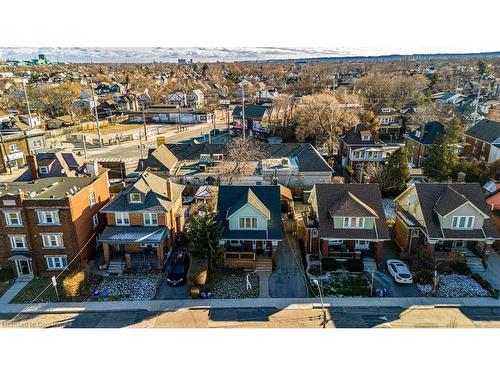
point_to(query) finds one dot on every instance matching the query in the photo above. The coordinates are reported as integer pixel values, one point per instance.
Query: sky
(201, 54)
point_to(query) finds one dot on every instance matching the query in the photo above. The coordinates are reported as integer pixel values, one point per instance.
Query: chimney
(32, 166)
(169, 188)
(461, 177)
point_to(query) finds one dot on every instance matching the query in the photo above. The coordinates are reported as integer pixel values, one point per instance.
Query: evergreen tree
(454, 130)
(371, 121)
(473, 170)
(203, 237)
(397, 169)
(439, 162)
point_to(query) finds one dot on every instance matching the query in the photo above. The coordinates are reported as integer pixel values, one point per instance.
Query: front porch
(247, 254)
(342, 250)
(139, 247)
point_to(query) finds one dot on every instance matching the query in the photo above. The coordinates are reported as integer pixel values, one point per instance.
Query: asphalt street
(201, 317)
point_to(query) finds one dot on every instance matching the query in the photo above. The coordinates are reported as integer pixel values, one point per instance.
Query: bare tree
(429, 112)
(378, 173)
(325, 116)
(240, 156)
(281, 114)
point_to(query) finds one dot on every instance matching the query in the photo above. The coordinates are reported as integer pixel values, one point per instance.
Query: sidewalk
(12, 292)
(278, 303)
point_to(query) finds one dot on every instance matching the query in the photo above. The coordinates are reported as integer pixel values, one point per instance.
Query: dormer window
(365, 137)
(43, 170)
(354, 222)
(385, 110)
(135, 198)
(462, 222)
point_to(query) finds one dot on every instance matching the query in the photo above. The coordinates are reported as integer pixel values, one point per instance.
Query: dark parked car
(214, 132)
(177, 270)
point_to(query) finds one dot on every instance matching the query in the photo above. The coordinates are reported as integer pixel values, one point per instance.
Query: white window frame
(47, 239)
(14, 147)
(92, 198)
(136, 195)
(335, 242)
(42, 217)
(468, 222)
(43, 170)
(122, 219)
(150, 219)
(8, 219)
(248, 223)
(61, 259)
(95, 221)
(353, 222)
(365, 138)
(13, 241)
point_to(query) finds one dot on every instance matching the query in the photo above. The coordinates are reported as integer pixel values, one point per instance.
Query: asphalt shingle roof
(328, 197)
(485, 130)
(269, 196)
(448, 201)
(251, 110)
(353, 137)
(429, 194)
(249, 197)
(432, 130)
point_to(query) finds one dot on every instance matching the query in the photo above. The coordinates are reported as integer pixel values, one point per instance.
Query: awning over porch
(20, 255)
(117, 234)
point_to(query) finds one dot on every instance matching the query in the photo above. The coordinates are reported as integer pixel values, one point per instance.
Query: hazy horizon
(199, 54)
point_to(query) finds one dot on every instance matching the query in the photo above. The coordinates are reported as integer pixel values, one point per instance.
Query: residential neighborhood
(186, 182)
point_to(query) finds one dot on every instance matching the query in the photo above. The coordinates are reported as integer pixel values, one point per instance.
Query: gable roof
(485, 130)
(157, 197)
(353, 136)
(431, 131)
(269, 198)
(429, 194)
(249, 197)
(251, 110)
(350, 205)
(363, 199)
(307, 157)
(449, 201)
(160, 158)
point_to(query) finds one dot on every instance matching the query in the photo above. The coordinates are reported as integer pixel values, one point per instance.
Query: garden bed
(232, 284)
(128, 288)
(346, 285)
(454, 285)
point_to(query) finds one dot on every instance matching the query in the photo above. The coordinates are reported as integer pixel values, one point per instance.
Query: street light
(316, 282)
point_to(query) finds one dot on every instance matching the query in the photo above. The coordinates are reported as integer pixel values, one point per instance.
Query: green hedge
(329, 264)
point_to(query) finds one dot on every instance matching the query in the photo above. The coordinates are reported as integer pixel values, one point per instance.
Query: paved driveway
(492, 273)
(167, 291)
(288, 279)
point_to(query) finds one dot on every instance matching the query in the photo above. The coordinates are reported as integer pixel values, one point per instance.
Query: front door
(361, 245)
(23, 267)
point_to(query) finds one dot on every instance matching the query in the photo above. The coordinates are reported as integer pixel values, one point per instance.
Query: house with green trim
(250, 217)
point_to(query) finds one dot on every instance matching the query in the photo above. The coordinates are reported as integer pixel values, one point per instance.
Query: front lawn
(6, 280)
(4, 285)
(232, 284)
(345, 285)
(36, 286)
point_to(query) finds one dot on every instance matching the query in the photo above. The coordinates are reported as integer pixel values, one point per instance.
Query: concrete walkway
(264, 284)
(13, 290)
(278, 303)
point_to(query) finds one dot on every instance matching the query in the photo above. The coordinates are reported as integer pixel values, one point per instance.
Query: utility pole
(4, 154)
(99, 134)
(27, 103)
(325, 320)
(243, 109)
(476, 107)
(84, 140)
(140, 144)
(144, 122)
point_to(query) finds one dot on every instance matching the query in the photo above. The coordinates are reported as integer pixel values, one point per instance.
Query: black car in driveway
(177, 269)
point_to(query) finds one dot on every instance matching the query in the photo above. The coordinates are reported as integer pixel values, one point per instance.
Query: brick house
(359, 147)
(50, 224)
(142, 221)
(418, 141)
(443, 217)
(483, 141)
(345, 221)
(15, 147)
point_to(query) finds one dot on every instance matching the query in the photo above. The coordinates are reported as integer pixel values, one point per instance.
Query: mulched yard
(128, 288)
(454, 285)
(232, 284)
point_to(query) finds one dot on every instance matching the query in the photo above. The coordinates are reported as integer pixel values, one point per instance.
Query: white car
(399, 271)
